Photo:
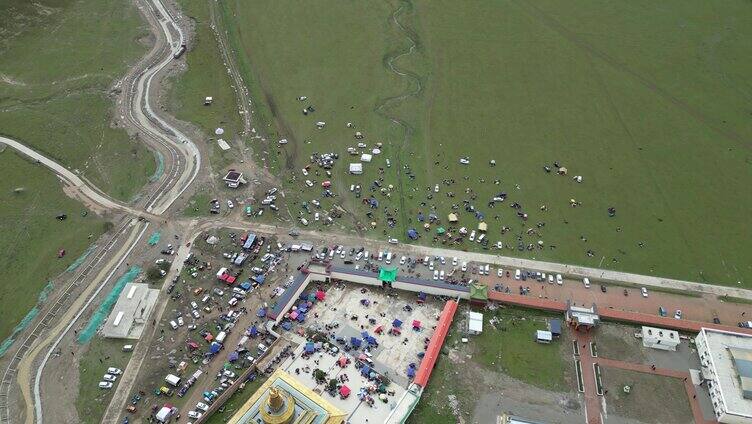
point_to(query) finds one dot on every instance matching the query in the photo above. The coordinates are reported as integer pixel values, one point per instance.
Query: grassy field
(101, 354)
(652, 398)
(55, 86)
(615, 92)
(30, 199)
(206, 76)
(55, 96)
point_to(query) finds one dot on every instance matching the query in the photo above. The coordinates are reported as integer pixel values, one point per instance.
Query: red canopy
(320, 295)
(362, 357)
(209, 337)
(342, 362)
(379, 329)
(344, 391)
(416, 324)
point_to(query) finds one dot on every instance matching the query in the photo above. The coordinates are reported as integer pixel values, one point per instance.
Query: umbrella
(371, 341)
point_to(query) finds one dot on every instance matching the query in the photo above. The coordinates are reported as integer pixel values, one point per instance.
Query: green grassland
(101, 353)
(59, 60)
(32, 237)
(206, 75)
(648, 102)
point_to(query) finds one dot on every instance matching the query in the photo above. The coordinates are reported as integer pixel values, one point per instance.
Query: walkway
(592, 401)
(644, 368)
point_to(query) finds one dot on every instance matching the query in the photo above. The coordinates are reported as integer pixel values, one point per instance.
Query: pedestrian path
(592, 402)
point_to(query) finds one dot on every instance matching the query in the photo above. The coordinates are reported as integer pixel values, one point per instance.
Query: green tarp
(388, 275)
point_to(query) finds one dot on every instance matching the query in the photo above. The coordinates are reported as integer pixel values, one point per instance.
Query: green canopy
(479, 291)
(388, 275)
(440, 231)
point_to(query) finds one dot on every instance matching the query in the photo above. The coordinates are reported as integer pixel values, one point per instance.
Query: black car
(603, 288)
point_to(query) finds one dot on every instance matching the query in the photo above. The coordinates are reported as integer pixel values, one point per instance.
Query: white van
(389, 258)
(381, 255)
(586, 282)
(233, 301)
(174, 325)
(221, 337)
(481, 237)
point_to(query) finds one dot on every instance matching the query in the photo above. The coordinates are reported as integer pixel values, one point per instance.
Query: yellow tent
(453, 217)
(482, 226)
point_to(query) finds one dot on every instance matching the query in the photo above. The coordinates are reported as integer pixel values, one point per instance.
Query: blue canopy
(412, 234)
(301, 317)
(287, 325)
(304, 296)
(397, 323)
(372, 341)
(259, 278)
(366, 370)
(215, 347)
(309, 347)
(253, 331)
(411, 372)
(261, 313)
(422, 296)
(364, 334)
(303, 308)
(233, 356)
(355, 341)
(421, 218)
(245, 285)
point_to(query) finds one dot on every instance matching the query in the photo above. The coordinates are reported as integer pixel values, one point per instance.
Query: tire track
(384, 105)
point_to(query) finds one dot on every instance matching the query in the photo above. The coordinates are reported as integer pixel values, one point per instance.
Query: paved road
(85, 188)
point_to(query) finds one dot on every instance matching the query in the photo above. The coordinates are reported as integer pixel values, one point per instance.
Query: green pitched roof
(478, 291)
(388, 275)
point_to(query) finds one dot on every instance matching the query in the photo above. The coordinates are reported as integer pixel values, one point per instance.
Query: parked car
(678, 314)
(644, 292)
(109, 377)
(114, 371)
(559, 280)
(105, 385)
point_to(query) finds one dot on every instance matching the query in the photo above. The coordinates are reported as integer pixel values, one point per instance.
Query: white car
(343, 254)
(114, 371)
(109, 377)
(464, 266)
(500, 272)
(194, 414)
(442, 260)
(517, 274)
(174, 325)
(195, 314)
(180, 321)
(430, 266)
(550, 279)
(472, 235)
(441, 275)
(230, 204)
(436, 274)
(454, 261)
(403, 260)
(393, 241)
(194, 305)
(644, 292)
(309, 183)
(678, 314)
(559, 280)
(105, 385)
(202, 406)
(586, 282)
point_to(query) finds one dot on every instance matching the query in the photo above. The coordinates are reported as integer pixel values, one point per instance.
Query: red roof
(434, 347)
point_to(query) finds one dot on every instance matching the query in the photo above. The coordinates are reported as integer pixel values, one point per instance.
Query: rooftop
(129, 316)
(727, 351)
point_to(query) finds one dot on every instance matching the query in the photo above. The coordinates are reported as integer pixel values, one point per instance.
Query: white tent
(356, 168)
(365, 157)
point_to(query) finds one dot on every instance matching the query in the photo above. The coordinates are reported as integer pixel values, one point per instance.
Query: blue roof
(287, 325)
(287, 295)
(355, 341)
(396, 323)
(555, 325)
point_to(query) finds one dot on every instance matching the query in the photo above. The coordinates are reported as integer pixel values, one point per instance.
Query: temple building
(284, 400)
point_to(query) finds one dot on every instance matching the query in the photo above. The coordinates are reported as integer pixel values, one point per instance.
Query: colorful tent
(482, 227)
(309, 347)
(301, 317)
(342, 361)
(440, 230)
(379, 329)
(397, 323)
(344, 391)
(416, 324)
(261, 313)
(452, 217)
(294, 315)
(320, 295)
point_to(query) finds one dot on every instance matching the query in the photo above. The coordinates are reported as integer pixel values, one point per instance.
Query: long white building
(726, 359)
